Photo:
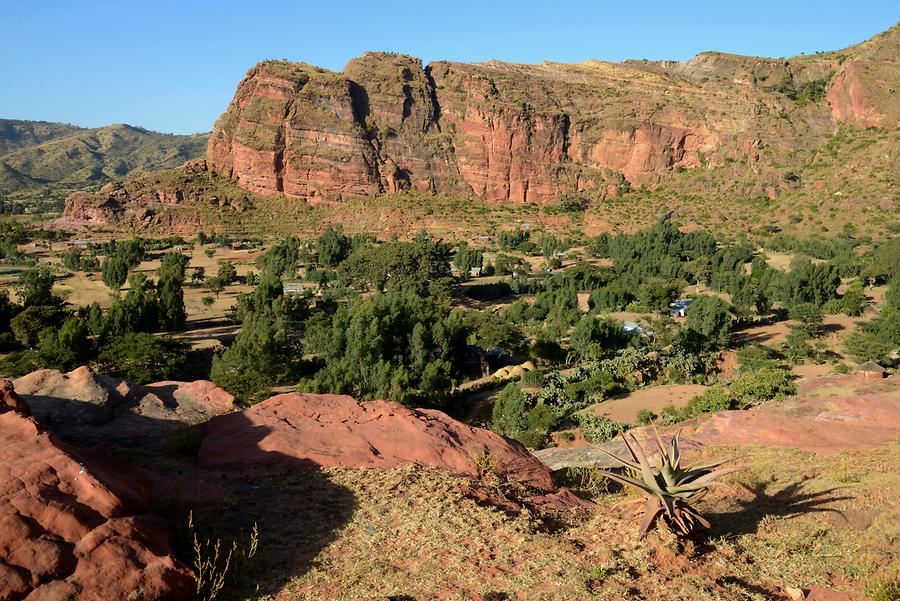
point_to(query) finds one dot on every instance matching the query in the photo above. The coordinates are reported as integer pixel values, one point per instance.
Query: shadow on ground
(296, 508)
(759, 501)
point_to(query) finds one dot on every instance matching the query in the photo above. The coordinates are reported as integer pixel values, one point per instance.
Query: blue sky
(173, 65)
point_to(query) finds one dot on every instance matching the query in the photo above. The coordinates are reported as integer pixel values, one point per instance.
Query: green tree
(468, 258)
(395, 266)
(332, 247)
(67, 347)
(227, 273)
(595, 338)
(143, 358)
(508, 413)
(396, 345)
(170, 291)
(214, 285)
(114, 271)
(709, 322)
(862, 347)
(35, 288)
(808, 317)
(854, 301)
(29, 325)
(198, 275)
(137, 311)
(267, 351)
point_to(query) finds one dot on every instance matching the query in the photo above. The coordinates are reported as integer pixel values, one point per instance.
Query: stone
(337, 431)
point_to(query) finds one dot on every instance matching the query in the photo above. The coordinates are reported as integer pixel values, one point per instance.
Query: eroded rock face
(76, 525)
(338, 431)
(89, 408)
(528, 133)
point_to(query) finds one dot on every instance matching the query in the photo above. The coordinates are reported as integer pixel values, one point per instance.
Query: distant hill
(41, 163)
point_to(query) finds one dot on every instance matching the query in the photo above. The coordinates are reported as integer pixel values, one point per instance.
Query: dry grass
(799, 519)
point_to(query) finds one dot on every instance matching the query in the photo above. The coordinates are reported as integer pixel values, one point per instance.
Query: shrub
(645, 417)
(763, 385)
(598, 428)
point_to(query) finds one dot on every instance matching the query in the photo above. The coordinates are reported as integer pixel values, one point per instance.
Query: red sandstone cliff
(528, 133)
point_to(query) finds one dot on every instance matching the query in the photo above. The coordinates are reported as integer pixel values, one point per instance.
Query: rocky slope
(76, 524)
(529, 133)
(87, 408)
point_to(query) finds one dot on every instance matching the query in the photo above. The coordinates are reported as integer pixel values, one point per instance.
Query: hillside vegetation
(41, 163)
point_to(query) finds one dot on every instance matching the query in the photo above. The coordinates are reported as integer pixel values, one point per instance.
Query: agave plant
(670, 490)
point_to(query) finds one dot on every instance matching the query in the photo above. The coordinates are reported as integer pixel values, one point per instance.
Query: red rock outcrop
(528, 133)
(830, 415)
(76, 525)
(338, 431)
(89, 408)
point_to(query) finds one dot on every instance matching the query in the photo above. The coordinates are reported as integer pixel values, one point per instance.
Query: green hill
(41, 163)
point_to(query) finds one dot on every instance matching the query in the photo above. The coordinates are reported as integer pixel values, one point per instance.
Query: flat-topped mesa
(529, 133)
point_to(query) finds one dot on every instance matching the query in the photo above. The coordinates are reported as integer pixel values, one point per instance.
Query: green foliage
(862, 347)
(508, 413)
(282, 259)
(138, 311)
(66, 348)
(468, 258)
(226, 272)
(809, 318)
(708, 323)
(170, 291)
(115, 271)
(518, 239)
(752, 388)
(509, 265)
(29, 325)
(143, 358)
(645, 417)
(76, 260)
(597, 428)
(594, 338)
(267, 352)
(421, 268)
(396, 346)
(492, 331)
(332, 247)
(810, 282)
(756, 356)
(854, 301)
(612, 297)
(670, 491)
(214, 284)
(656, 293)
(35, 288)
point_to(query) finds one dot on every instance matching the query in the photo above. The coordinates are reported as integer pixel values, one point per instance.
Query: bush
(763, 385)
(756, 356)
(645, 417)
(598, 428)
(532, 378)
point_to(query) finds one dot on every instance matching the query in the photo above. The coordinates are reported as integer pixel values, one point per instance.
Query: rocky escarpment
(528, 133)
